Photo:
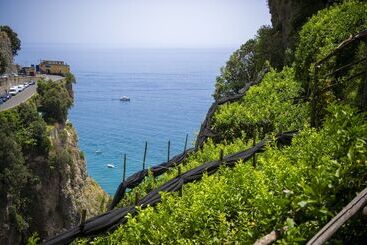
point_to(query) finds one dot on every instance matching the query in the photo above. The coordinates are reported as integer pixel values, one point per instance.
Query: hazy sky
(136, 23)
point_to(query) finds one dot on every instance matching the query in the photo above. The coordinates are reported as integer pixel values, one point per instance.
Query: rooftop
(53, 62)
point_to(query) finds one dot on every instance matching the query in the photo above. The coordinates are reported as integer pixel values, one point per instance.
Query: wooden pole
(364, 87)
(314, 93)
(221, 155)
(82, 221)
(253, 144)
(179, 174)
(187, 136)
(124, 173)
(136, 198)
(168, 150)
(179, 170)
(364, 212)
(145, 154)
(356, 205)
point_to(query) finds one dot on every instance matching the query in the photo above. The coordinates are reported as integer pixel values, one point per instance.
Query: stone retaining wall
(6, 83)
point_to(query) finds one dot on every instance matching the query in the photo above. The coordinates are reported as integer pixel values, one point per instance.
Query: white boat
(110, 165)
(98, 152)
(124, 98)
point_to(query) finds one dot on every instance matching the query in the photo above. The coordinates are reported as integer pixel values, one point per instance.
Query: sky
(136, 23)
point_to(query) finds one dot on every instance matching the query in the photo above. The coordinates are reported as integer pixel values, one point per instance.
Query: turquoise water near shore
(170, 91)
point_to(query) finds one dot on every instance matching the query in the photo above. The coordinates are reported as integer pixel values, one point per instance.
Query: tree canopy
(246, 63)
(6, 57)
(55, 101)
(14, 40)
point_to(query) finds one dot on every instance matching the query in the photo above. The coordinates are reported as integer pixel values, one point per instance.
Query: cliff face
(287, 16)
(60, 190)
(6, 57)
(64, 189)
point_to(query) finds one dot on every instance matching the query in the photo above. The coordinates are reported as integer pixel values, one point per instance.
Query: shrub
(60, 158)
(13, 37)
(324, 32)
(246, 63)
(300, 186)
(55, 101)
(267, 107)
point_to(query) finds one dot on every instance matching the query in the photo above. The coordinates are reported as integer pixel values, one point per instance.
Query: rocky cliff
(44, 185)
(64, 189)
(288, 16)
(60, 193)
(6, 57)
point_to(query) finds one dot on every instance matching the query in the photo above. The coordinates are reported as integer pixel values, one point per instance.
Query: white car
(21, 87)
(14, 90)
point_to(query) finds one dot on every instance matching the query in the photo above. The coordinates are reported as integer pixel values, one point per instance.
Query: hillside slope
(295, 189)
(289, 190)
(44, 184)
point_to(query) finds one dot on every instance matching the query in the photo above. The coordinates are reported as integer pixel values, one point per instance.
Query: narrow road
(25, 94)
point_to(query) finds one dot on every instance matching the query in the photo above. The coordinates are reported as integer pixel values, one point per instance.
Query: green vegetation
(297, 188)
(25, 140)
(246, 63)
(69, 80)
(6, 57)
(9, 47)
(324, 32)
(23, 136)
(268, 107)
(13, 178)
(288, 17)
(301, 186)
(55, 100)
(14, 40)
(209, 152)
(34, 239)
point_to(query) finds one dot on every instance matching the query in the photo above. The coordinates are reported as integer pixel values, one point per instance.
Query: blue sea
(170, 91)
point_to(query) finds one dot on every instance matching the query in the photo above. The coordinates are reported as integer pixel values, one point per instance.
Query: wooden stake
(187, 136)
(314, 93)
(169, 149)
(124, 173)
(364, 87)
(179, 174)
(221, 155)
(82, 221)
(145, 154)
(136, 198)
(364, 212)
(253, 144)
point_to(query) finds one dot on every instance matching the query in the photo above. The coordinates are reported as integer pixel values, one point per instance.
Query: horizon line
(120, 45)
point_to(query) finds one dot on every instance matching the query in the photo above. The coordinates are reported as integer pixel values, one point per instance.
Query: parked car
(5, 97)
(14, 90)
(4, 76)
(33, 82)
(8, 96)
(21, 87)
(26, 85)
